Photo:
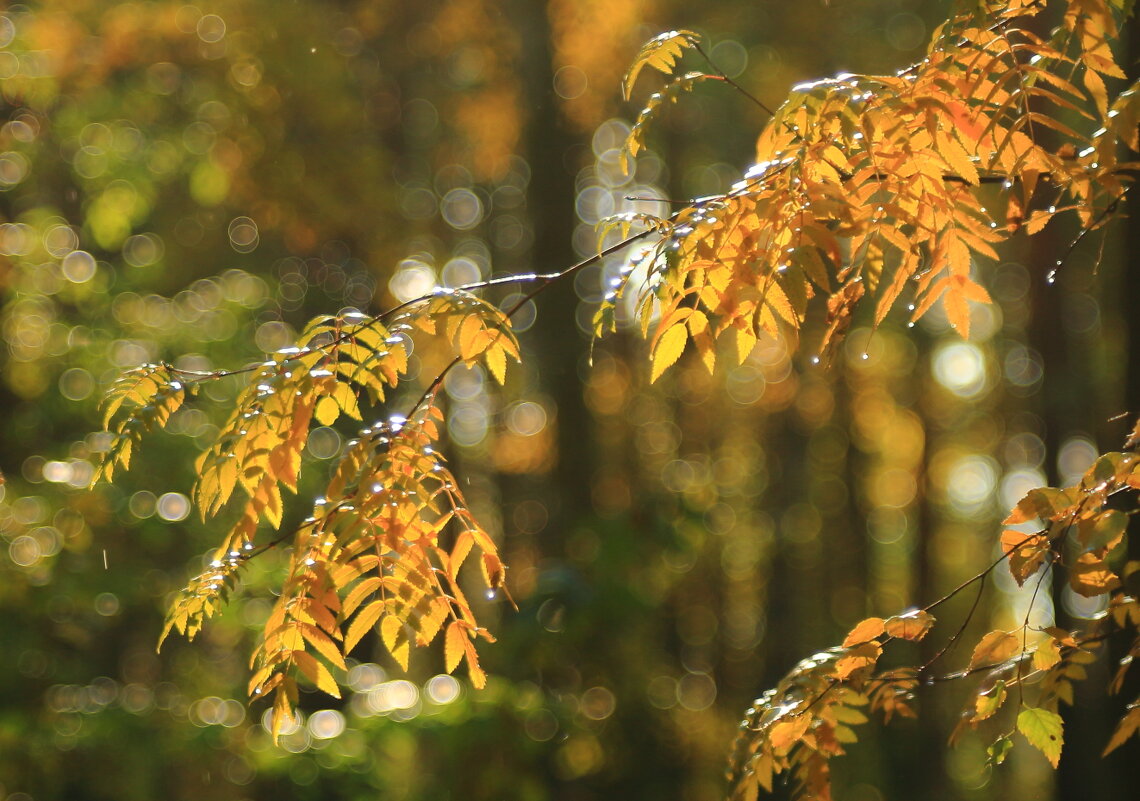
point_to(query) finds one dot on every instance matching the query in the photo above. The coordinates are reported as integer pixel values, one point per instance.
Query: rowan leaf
(453, 646)
(661, 52)
(316, 672)
(363, 623)
(786, 733)
(327, 411)
(668, 349)
(395, 638)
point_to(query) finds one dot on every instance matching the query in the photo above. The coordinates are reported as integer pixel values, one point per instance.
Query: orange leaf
(1090, 576)
(864, 631)
(787, 733)
(1026, 552)
(861, 657)
(912, 625)
(994, 648)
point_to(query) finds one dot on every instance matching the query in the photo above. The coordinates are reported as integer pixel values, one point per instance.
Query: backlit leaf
(317, 673)
(1044, 730)
(661, 52)
(987, 703)
(912, 625)
(1090, 576)
(786, 733)
(994, 648)
(1026, 552)
(362, 624)
(327, 411)
(668, 349)
(453, 646)
(864, 631)
(858, 659)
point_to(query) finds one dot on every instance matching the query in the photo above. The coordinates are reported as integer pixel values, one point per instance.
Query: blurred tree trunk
(550, 200)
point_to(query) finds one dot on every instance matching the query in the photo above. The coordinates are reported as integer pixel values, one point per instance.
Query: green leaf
(1044, 730)
(996, 753)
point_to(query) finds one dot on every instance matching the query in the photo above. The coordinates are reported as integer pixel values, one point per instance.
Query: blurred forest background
(194, 182)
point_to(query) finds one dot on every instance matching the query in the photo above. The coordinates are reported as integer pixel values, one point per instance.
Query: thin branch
(547, 280)
(1108, 210)
(721, 75)
(957, 634)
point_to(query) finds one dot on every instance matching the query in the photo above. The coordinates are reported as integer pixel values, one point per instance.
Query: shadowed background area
(193, 183)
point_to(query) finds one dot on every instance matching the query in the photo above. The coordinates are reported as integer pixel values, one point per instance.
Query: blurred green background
(193, 183)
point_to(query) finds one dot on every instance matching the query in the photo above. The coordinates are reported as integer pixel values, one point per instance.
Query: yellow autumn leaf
(661, 52)
(395, 638)
(316, 672)
(1048, 653)
(453, 646)
(668, 349)
(477, 674)
(496, 360)
(470, 338)
(324, 645)
(346, 400)
(861, 657)
(362, 624)
(327, 411)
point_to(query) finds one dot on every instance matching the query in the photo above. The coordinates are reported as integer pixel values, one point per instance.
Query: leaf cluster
(383, 548)
(887, 189)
